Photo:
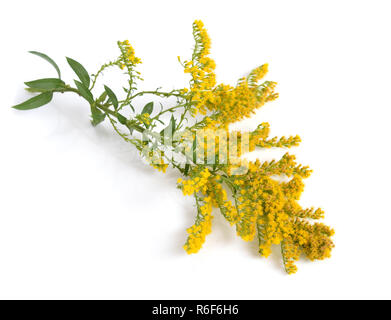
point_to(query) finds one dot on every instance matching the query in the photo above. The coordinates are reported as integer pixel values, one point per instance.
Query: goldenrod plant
(192, 136)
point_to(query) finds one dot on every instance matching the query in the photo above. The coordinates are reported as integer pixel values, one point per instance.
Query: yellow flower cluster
(294, 209)
(290, 254)
(144, 118)
(201, 68)
(201, 228)
(197, 234)
(128, 57)
(261, 207)
(269, 209)
(294, 187)
(257, 74)
(311, 239)
(285, 166)
(263, 200)
(162, 166)
(197, 183)
(156, 160)
(233, 104)
(230, 103)
(220, 200)
(259, 134)
(259, 138)
(232, 144)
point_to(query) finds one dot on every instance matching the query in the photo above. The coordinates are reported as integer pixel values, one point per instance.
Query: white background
(82, 217)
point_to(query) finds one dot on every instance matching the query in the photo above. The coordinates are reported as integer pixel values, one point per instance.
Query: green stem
(115, 114)
(103, 67)
(158, 93)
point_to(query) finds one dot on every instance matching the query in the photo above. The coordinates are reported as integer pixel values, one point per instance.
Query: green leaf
(186, 170)
(121, 119)
(112, 97)
(35, 102)
(97, 116)
(46, 84)
(84, 92)
(172, 124)
(148, 108)
(48, 59)
(34, 90)
(102, 97)
(194, 148)
(170, 128)
(80, 71)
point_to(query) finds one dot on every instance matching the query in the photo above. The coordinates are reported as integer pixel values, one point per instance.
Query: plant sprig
(192, 136)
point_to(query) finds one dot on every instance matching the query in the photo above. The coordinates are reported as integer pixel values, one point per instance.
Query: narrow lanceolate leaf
(97, 116)
(48, 59)
(172, 124)
(80, 71)
(194, 148)
(84, 92)
(112, 97)
(148, 108)
(46, 84)
(170, 129)
(102, 97)
(121, 119)
(186, 170)
(34, 90)
(35, 102)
